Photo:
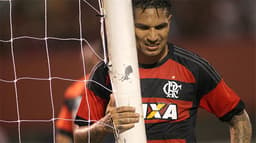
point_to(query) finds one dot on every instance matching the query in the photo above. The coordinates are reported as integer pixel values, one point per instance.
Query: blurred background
(222, 31)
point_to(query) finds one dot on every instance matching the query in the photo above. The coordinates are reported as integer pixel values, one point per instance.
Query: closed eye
(161, 26)
(141, 26)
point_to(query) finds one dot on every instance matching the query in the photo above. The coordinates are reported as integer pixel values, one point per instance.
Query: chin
(151, 53)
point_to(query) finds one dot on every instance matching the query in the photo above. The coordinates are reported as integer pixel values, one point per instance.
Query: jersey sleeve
(91, 109)
(64, 126)
(72, 97)
(215, 95)
(95, 98)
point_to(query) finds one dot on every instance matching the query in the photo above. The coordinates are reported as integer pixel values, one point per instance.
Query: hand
(123, 118)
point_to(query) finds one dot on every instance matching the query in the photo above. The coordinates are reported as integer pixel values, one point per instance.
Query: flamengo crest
(171, 89)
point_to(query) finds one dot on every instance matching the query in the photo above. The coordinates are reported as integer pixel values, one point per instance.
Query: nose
(152, 36)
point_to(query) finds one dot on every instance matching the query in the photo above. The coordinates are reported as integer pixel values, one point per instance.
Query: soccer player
(174, 83)
(72, 97)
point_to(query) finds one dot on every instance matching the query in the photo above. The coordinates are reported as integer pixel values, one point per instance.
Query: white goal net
(45, 46)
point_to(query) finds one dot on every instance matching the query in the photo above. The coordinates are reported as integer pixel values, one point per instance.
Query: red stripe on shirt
(220, 100)
(76, 89)
(65, 122)
(87, 105)
(170, 70)
(167, 141)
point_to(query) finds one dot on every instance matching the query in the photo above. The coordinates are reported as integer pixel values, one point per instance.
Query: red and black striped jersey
(72, 98)
(172, 91)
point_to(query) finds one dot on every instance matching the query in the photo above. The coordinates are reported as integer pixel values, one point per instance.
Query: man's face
(151, 28)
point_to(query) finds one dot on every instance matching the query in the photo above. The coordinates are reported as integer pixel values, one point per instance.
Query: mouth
(152, 46)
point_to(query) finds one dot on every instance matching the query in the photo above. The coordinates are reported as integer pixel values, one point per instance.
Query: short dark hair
(152, 4)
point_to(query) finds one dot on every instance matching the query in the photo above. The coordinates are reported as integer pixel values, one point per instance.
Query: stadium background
(224, 32)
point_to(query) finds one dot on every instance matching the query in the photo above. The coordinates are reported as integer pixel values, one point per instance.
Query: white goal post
(123, 63)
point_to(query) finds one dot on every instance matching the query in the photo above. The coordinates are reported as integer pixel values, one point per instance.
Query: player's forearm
(89, 134)
(240, 128)
(94, 133)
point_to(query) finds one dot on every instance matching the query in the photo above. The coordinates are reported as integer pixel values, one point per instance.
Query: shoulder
(99, 68)
(195, 63)
(99, 81)
(99, 71)
(185, 55)
(75, 89)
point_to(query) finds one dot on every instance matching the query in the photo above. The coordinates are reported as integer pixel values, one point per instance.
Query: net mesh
(44, 47)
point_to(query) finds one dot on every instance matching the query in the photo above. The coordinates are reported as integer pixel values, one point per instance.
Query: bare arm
(123, 118)
(94, 133)
(240, 128)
